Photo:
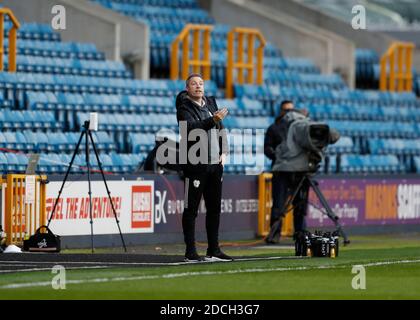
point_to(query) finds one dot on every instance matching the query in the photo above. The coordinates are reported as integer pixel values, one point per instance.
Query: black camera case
(320, 244)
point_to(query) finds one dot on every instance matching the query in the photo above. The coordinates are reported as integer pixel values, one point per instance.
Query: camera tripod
(275, 228)
(88, 134)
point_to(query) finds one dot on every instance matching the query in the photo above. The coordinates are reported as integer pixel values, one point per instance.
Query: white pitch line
(202, 273)
(18, 264)
(49, 269)
(147, 263)
(272, 258)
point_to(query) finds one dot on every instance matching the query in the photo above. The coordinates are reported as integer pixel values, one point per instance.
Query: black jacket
(276, 133)
(189, 111)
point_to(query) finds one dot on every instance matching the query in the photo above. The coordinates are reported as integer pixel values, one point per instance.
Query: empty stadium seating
(56, 49)
(34, 31)
(365, 61)
(45, 103)
(370, 164)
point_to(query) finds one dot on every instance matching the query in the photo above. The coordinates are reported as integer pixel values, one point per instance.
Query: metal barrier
(265, 202)
(400, 77)
(195, 62)
(25, 206)
(12, 39)
(249, 65)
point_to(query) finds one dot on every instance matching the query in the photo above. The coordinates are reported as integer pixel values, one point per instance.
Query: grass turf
(310, 278)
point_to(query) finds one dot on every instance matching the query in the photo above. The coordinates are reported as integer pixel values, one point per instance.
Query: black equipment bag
(42, 242)
(320, 244)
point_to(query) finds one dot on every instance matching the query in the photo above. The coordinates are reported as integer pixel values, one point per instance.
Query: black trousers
(207, 184)
(284, 184)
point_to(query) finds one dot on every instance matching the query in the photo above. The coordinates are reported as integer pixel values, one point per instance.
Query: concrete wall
(376, 40)
(118, 36)
(295, 37)
(361, 38)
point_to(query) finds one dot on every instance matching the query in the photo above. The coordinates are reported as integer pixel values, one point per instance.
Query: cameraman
(285, 182)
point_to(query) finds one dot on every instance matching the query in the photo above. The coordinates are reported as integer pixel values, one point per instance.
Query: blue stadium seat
(3, 142)
(350, 164)
(343, 145)
(42, 141)
(23, 161)
(3, 161)
(13, 163)
(106, 163)
(103, 141)
(10, 141)
(416, 164)
(119, 163)
(141, 142)
(58, 142)
(252, 107)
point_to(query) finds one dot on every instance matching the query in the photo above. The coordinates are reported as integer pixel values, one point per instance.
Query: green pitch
(391, 263)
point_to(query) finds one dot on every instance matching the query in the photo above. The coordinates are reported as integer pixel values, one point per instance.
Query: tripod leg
(90, 189)
(107, 189)
(275, 227)
(66, 176)
(327, 207)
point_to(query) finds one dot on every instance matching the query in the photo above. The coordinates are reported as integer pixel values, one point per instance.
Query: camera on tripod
(300, 154)
(304, 147)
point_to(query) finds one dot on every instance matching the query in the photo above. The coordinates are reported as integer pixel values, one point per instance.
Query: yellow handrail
(265, 203)
(241, 64)
(195, 62)
(12, 39)
(23, 216)
(400, 75)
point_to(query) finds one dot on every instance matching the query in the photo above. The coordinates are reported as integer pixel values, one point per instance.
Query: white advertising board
(133, 202)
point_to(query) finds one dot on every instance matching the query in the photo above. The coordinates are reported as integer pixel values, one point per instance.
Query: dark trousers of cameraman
(206, 184)
(284, 184)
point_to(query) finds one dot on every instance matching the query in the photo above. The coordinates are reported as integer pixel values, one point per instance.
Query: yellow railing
(265, 202)
(12, 39)
(25, 202)
(241, 64)
(287, 228)
(396, 67)
(196, 62)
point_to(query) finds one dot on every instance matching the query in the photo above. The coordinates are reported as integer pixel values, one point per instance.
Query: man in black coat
(284, 183)
(199, 119)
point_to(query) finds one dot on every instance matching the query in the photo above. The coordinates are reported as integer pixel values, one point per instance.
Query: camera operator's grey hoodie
(301, 152)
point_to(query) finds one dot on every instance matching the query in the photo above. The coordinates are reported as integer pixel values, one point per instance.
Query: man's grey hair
(192, 75)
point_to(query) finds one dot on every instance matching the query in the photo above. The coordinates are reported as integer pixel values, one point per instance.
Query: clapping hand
(220, 114)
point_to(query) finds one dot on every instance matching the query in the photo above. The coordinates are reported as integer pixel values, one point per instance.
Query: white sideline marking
(49, 269)
(199, 273)
(143, 263)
